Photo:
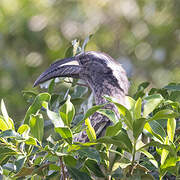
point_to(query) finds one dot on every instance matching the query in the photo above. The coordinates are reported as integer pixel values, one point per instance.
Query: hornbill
(102, 73)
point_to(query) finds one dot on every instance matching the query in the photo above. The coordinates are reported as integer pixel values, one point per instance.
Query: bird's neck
(99, 90)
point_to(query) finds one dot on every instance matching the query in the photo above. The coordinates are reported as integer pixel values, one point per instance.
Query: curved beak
(68, 67)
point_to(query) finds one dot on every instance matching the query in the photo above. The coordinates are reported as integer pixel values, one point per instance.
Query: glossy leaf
(138, 126)
(108, 113)
(69, 52)
(25, 171)
(92, 110)
(114, 129)
(171, 127)
(29, 96)
(158, 145)
(78, 175)
(165, 152)
(3, 125)
(70, 161)
(54, 117)
(65, 133)
(89, 153)
(90, 130)
(150, 157)
(152, 102)
(9, 122)
(51, 86)
(20, 162)
(127, 118)
(36, 123)
(36, 106)
(121, 140)
(94, 168)
(170, 162)
(4, 151)
(140, 91)
(23, 128)
(31, 141)
(153, 129)
(67, 112)
(11, 134)
(173, 87)
(164, 114)
(137, 109)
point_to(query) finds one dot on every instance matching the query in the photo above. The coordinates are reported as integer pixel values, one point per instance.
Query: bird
(104, 76)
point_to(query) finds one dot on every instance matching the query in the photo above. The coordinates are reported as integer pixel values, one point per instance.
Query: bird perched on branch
(104, 76)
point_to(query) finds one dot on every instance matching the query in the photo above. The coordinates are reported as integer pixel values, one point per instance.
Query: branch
(62, 168)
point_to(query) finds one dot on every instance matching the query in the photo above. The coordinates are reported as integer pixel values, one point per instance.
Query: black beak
(68, 67)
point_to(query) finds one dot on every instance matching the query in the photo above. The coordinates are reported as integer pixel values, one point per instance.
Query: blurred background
(142, 35)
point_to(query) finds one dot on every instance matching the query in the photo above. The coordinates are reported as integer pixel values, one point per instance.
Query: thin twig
(62, 168)
(79, 84)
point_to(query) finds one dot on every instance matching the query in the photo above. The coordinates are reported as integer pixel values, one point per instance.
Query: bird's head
(95, 68)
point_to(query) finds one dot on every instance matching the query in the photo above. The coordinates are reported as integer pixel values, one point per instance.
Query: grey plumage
(102, 73)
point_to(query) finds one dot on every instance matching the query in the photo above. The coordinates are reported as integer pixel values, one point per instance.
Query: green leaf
(36, 106)
(36, 123)
(137, 109)
(67, 112)
(31, 141)
(127, 118)
(140, 90)
(94, 168)
(173, 87)
(38, 160)
(130, 104)
(78, 175)
(164, 114)
(152, 102)
(54, 167)
(156, 130)
(51, 86)
(171, 127)
(65, 133)
(20, 162)
(25, 171)
(89, 153)
(165, 152)
(170, 162)
(90, 130)
(138, 126)
(150, 157)
(24, 129)
(7, 151)
(92, 110)
(3, 125)
(158, 145)
(69, 52)
(9, 122)
(108, 113)
(70, 161)
(121, 140)
(11, 134)
(114, 129)
(54, 117)
(4, 159)
(29, 96)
